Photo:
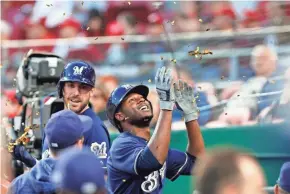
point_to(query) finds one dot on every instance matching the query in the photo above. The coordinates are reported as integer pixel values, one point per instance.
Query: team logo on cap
(78, 70)
(99, 149)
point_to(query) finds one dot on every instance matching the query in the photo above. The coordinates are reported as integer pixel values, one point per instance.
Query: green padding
(270, 144)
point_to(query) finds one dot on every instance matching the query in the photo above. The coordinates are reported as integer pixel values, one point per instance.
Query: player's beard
(77, 109)
(142, 122)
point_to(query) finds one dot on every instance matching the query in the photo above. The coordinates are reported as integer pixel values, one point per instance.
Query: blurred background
(125, 41)
(242, 85)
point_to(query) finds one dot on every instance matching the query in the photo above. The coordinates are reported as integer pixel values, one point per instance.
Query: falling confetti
(63, 14)
(124, 180)
(122, 38)
(272, 81)
(238, 95)
(0, 66)
(199, 87)
(51, 5)
(173, 60)
(208, 29)
(82, 3)
(200, 20)
(37, 113)
(222, 77)
(172, 23)
(199, 54)
(174, 2)
(129, 3)
(88, 28)
(96, 38)
(226, 113)
(149, 80)
(47, 5)
(161, 58)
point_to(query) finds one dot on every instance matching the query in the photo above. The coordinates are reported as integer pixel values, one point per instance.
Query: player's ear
(119, 116)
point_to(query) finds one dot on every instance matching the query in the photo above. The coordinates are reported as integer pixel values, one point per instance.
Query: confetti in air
(149, 80)
(63, 14)
(161, 58)
(199, 54)
(129, 3)
(96, 38)
(200, 20)
(208, 29)
(222, 77)
(122, 38)
(82, 3)
(88, 28)
(172, 23)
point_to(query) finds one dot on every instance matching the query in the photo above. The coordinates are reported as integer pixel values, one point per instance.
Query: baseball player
(64, 129)
(71, 176)
(75, 85)
(138, 162)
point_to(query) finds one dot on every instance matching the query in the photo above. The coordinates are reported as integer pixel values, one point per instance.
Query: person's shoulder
(126, 140)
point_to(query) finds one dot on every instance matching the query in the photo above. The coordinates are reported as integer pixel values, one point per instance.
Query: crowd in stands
(75, 19)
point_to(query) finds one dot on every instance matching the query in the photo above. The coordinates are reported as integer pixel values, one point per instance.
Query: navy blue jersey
(97, 138)
(125, 177)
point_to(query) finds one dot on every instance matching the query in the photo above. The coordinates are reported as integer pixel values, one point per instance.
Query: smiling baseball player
(138, 162)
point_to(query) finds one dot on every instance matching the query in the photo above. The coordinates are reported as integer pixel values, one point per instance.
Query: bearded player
(138, 162)
(75, 86)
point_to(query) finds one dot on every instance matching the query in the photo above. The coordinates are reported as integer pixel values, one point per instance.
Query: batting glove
(185, 100)
(163, 82)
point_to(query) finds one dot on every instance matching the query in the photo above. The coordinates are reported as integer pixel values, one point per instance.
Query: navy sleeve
(133, 158)
(179, 163)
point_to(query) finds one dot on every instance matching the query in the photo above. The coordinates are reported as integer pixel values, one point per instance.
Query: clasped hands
(175, 93)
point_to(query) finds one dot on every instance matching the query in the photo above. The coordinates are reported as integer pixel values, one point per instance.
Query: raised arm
(160, 140)
(186, 102)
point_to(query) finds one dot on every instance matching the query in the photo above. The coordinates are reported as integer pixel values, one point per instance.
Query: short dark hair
(217, 169)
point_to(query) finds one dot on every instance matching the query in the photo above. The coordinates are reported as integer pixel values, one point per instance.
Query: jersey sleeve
(179, 163)
(124, 155)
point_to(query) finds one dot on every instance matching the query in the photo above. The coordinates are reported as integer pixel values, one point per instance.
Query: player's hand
(185, 100)
(21, 154)
(163, 82)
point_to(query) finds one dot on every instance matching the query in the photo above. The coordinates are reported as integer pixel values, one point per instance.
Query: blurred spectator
(276, 16)
(184, 23)
(189, 9)
(224, 19)
(5, 30)
(228, 171)
(241, 109)
(10, 104)
(98, 101)
(80, 48)
(79, 172)
(109, 82)
(116, 51)
(95, 24)
(155, 24)
(283, 182)
(278, 111)
(128, 22)
(253, 19)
